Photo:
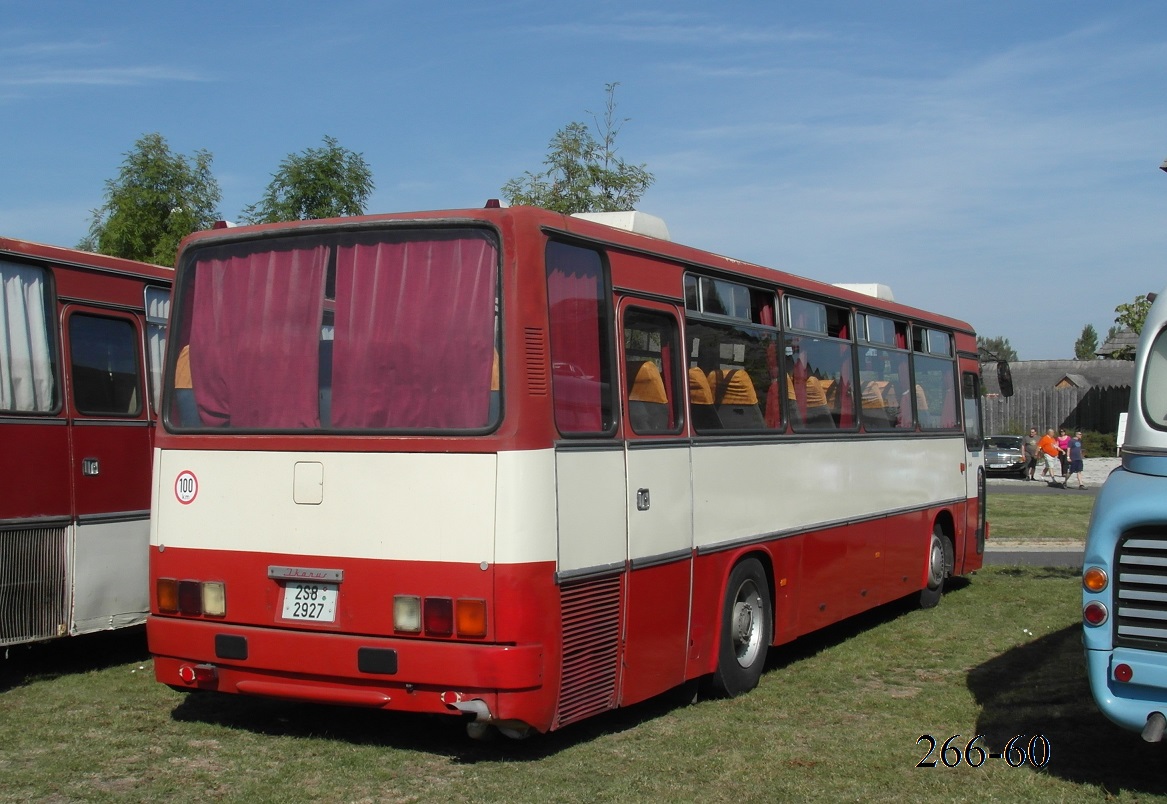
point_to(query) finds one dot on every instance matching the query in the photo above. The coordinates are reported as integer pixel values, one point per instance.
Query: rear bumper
(1128, 704)
(387, 673)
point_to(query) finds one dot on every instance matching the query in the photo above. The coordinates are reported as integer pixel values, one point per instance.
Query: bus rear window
(386, 331)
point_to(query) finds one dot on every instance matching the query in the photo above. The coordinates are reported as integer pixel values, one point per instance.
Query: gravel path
(1094, 473)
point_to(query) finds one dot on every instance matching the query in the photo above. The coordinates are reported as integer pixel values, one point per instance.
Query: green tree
(990, 350)
(583, 172)
(157, 199)
(326, 182)
(1087, 343)
(1132, 316)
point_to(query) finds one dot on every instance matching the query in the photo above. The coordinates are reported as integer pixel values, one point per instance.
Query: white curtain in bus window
(26, 358)
(414, 337)
(157, 314)
(254, 342)
(575, 290)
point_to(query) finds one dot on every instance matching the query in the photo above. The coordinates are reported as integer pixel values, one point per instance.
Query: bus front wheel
(745, 632)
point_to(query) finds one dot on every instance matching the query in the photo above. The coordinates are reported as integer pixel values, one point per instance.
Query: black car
(1003, 456)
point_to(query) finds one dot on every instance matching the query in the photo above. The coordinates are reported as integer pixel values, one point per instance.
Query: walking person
(1076, 456)
(1050, 452)
(1029, 453)
(1064, 454)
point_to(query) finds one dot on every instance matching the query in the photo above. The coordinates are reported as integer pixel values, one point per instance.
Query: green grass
(837, 716)
(1038, 517)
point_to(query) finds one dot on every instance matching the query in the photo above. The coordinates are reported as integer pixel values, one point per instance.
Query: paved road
(1067, 554)
(1033, 558)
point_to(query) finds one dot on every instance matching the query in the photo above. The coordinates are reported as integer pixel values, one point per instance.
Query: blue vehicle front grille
(1140, 592)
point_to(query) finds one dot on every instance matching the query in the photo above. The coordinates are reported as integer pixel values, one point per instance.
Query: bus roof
(59, 255)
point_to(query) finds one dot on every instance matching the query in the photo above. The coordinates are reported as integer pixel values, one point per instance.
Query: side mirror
(1004, 378)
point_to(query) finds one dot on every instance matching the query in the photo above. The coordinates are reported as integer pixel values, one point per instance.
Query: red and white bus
(81, 343)
(527, 467)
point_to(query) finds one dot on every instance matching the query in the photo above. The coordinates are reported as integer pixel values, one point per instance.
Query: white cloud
(97, 76)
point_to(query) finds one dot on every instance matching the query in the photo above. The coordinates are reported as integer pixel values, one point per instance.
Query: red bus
(81, 343)
(525, 467)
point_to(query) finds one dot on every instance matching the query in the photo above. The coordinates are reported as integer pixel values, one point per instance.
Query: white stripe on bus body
(449, 507)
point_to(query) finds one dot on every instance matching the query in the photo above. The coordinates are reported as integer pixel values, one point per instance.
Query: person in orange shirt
(1048, 447)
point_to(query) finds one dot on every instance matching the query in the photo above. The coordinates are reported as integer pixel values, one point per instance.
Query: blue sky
(994, 161)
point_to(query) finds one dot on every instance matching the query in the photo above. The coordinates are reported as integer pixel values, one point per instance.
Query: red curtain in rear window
(254, 339)
(414, 338)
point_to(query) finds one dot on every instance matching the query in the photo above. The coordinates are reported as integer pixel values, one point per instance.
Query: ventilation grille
(591, 641)
(535, 345)
(1140, 594)
(34, 597)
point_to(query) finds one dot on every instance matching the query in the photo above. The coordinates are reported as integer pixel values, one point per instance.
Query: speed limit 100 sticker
(186, 487)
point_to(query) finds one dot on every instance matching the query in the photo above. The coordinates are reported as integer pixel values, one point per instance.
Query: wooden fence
(1086, 409)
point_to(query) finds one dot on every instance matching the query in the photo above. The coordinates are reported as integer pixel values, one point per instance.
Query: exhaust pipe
(1153, 731)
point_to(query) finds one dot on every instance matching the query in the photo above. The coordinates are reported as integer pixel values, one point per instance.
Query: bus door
(974, 541)
(659, 500)
(110, 431)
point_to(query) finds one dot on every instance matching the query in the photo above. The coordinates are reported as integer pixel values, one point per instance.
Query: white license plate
(315, 602)
(998, 466)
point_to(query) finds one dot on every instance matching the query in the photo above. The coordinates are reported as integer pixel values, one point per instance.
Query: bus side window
(701, 402)
(28, 372)
(737, 400)
(648, 403)
(188, 415)
(325, 383)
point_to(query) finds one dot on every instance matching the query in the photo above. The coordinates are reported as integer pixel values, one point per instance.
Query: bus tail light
(1123, 673)
(198, 674)
(471, 617)
(1094, 579)
(192, 598)
(214, 599)
(407, 613)
(166, 591)
(1094, 613)
(439, 616)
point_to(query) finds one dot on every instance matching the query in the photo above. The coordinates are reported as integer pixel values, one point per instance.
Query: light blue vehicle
(1124, 578)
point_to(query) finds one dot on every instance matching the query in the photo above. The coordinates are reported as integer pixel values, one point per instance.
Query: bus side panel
(122, 451)
(110, 583)
(655, 639)
(818, 578)
(35, 473)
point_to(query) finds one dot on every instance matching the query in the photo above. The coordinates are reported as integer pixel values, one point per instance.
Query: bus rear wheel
(745, 632)
(939, 565)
